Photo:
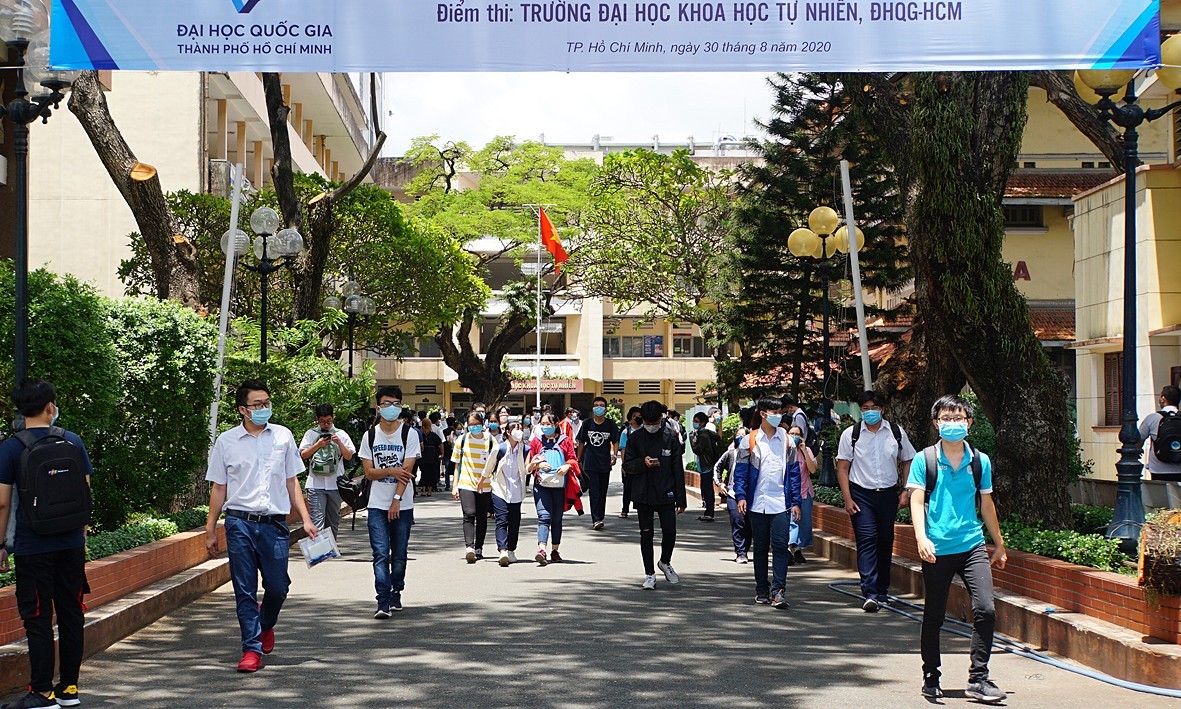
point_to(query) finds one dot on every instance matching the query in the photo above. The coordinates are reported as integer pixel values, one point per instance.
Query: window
(613, 387)
(1105, 165)
(428, 348)
(684, 387)
(1088, 164)
(650, 387)
(688, 346)
(631, 346)
(1113, 377)
(425, 389)
(1029, 165)
(610, 346)
(1023, 215)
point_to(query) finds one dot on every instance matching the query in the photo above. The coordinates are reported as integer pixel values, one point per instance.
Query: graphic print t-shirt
(387, 453)
(596, 439)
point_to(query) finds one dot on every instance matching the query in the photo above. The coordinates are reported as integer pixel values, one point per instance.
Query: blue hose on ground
(1013, 647)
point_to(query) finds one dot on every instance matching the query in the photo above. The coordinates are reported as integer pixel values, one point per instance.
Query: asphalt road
(581, 634)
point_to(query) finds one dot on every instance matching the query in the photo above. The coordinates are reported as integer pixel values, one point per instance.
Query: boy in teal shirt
(951, 542)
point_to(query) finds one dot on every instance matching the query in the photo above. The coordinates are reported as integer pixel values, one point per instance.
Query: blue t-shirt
(953, 525)
(27, 541)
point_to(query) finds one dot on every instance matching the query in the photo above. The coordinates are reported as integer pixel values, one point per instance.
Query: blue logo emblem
(245, 6)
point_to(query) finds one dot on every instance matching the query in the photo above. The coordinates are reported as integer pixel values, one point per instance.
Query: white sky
(570, 108)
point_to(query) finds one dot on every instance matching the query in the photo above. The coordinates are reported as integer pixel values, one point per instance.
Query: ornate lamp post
(274, 249)
(24, 29)
(354, 305)
(1129, 115)
(821, 241)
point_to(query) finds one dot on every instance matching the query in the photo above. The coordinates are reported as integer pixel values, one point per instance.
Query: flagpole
(540, 247)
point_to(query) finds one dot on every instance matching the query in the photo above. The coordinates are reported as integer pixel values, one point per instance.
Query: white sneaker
(504, 560)
(512, 558)
(649, 583)
(470, 555)
(740, 559)
(669, 574)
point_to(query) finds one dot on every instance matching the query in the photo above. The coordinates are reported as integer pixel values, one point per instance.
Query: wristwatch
(397, 497)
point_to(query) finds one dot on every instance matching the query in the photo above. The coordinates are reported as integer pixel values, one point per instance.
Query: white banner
(509, 35)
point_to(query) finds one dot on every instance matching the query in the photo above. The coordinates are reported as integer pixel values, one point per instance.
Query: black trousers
(873, 528)
(668, 534)
(707, 491)
(971, 566)
(48, 584)
(600, 481)
(475, 506)
(627, 492)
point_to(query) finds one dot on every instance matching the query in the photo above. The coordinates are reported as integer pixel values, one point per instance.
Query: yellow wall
(1048, 257)
(1048, 132)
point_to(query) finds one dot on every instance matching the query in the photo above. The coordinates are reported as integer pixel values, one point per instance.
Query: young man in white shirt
(328, 449)
(388, 453)
(1170, 397)
(872, 459)
(254, 469)
(766, 486)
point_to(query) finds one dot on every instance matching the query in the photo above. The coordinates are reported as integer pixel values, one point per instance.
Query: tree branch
(1059, 87)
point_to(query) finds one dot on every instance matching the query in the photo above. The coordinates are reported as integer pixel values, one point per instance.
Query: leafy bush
(184, 520)
(1092, 550)
(691, 466)
(1089, 519)
(128, 537)
(829, 496)
(729, 427)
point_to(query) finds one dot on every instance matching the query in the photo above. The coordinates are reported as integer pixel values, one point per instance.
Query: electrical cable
(1011, 646)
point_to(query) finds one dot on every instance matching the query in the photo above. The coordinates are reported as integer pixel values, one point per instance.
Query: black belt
(875, 489)
(255, 517)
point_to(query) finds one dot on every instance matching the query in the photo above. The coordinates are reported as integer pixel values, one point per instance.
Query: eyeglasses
(388, 404)
(259, 405)
(871, 408)
(953, 419)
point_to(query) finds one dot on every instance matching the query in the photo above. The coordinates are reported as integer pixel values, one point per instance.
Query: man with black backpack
(951, 490)
(49, 469)
(1163, 429)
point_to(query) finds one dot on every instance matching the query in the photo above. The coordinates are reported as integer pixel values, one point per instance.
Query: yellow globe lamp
(823, 220)
(1085, 92)
(1106, 82)
(1170, 56)
(803, 242)
(842, 239)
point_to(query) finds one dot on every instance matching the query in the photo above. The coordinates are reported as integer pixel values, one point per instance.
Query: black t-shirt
(596, 439)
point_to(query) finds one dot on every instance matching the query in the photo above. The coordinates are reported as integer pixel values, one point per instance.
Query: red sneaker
(250, 662)
(268, 641)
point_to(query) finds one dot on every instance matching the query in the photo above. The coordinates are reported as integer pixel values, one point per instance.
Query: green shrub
(729, 427)
(184, 520)
(1089, 519)
(1093, 550)
(691, 466)
(829, 496)
(128, 537)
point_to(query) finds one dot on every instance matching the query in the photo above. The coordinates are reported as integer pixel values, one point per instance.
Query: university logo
(245, 6)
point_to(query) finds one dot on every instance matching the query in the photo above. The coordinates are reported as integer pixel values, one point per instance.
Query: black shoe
(597, 526)
(623, 515)
(798, 557)
(396, 602)
(30, 701)
(779, 601)
(985, 690)
(791, 561)
(870, 606)
(763, 600)
(705, 518)
(931, 687)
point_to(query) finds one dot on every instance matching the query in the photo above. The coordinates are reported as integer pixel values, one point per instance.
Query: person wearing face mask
(633, 424)
(654, 458)
(327, 449)
(598, 446)
(550, 459)
(767, 490)
(254, 468)
(871, 459)
(951, 491)
(473, 489)
(724, 474)
(707, 447)
(506, 469)
(49, 567)
(432, 453)
(801, 532)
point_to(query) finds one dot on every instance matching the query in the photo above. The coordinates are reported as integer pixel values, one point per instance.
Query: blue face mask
(494, 427)
(600, 410)
(476, 428)
(696, 425)
(259, 417)
(796, 440)
(774, 419)
(548, 430)
(953, 432)
(872, 417)
(390, 413)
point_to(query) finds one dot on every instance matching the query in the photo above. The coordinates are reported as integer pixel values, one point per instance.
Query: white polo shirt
(773, 457)
(255, 469)
(876, 464)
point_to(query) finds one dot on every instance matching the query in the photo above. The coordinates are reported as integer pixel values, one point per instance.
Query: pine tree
(775, 316)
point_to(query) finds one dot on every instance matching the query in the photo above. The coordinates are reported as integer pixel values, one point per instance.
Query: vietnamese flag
(549, 239)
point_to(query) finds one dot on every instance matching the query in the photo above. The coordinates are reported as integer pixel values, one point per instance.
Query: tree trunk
(282, 173)
(485, 376)
(1059, 88)
(175, 268)
(967, 132)
(920, 370)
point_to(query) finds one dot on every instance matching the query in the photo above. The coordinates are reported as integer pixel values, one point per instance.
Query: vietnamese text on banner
(508, 35)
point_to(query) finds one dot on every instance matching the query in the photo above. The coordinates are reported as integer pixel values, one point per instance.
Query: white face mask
(517, 435)
(651, 427)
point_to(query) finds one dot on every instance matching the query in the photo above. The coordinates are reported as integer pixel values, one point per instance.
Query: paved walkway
(580, 634)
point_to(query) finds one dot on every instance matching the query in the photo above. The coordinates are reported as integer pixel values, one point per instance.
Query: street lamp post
(274, 249)
(24, 29)
(1128, 516)
(354, 305)
(821, 241)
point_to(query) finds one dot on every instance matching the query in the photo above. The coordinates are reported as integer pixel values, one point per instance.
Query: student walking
(634, 422)
(951, 489)
(801, 532)
(432, 454)
(449, 435)
(507, 472)
(739, 524)
(473, 489)
(707, 446)
(389, 451)
(654, 458)
(49, 547)
(598, 447)
(767, 488)
(254, 468)
(871, 458)
(1162, 431)
(326, 448)
(551, 456)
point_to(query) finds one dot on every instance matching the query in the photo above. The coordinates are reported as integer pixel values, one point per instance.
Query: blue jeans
(253, 548)
(389, 540)
(801, 532)
(508, 523)
(551, 503)
(739, 528)
(873, 529)
(769, 533)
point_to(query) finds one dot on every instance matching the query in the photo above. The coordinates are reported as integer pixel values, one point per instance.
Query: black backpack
(931, 458)
(893, 429)
(1166, 444)
(51, 482)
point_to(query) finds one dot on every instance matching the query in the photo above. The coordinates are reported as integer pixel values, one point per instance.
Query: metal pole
(827, 472)
(855, 260)
(20, 152)
(264, 274)
(1128, 515)
(540, 247)
(223, 320)
(352, 323)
